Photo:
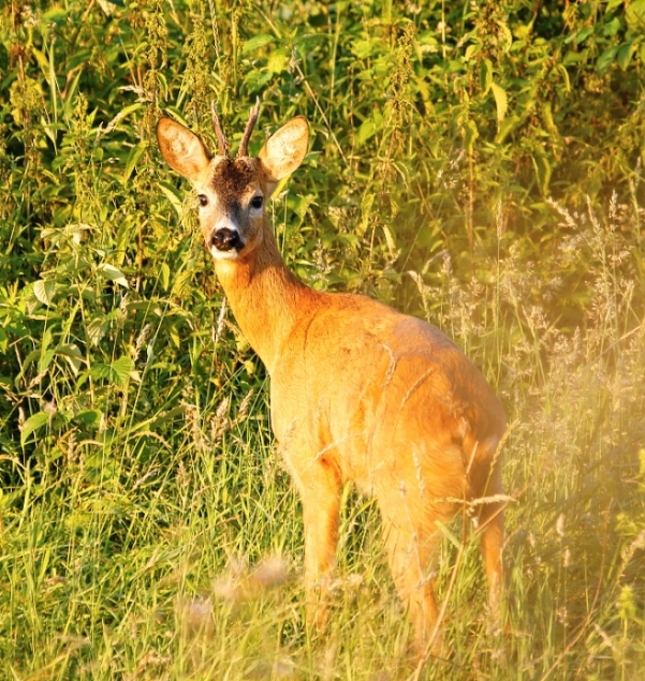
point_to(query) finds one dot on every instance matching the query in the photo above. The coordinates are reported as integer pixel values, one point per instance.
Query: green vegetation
(478, 164)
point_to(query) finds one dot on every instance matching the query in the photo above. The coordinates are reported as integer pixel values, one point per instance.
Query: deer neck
(264, 295)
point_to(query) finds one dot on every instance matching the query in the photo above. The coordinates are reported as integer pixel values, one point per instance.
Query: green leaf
(278, 60)
(472, 51)
(173, 195)
(606, 59)
(505, 36)
(547, 118)
(369, 127)
(117, 372)
(471, 133)
(256, 42)
(135, 155)
(485, 75)
(366, 212)
(73, 356)
(447, 532)
(100, 370)
(635, 16)
(42, 60)
(96, 329)
(501, 101)
(612, 28)
(89, 417)
(45, 360)
(255, 79)
(121, 115)
(46, 354)
(121, 370)
(624, 55)
(543, 170)
(367, 130)
(583, 34)
(77, 520)
(366, 48)
(55, 15)
(70, 99)
(32, 424)
(522, 31)
(113, 274)
(44, 290)
(565, 77)
(164, 276)
(389, 239)
(181, 281)
(428, 38)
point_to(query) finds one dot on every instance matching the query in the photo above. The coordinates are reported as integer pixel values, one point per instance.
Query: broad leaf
(501, 101)
(34, 423)
(44, 290)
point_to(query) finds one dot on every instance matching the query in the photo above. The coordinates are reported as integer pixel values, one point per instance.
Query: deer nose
(225, 239)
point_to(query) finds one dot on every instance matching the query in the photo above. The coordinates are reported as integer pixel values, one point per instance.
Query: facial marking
(223, 255)
(229, 221)
(232, 178)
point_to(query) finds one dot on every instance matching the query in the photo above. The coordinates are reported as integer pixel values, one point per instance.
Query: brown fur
(231, 178)
(362, 393)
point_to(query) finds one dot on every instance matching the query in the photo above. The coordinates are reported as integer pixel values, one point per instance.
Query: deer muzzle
(225, 240)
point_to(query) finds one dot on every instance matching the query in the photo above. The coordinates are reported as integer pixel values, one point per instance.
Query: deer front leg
(320, 493)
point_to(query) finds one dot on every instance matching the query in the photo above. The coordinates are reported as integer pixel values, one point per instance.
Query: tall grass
(147, 527)
(178, 555)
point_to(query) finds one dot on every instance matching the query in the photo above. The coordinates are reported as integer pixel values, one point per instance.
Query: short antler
(253, 117)
(221, 140)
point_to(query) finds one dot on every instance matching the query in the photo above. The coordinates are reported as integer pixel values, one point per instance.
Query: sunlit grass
(183, 558)
(148, 529)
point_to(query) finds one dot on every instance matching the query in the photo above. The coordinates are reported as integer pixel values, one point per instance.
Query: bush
(478, 165)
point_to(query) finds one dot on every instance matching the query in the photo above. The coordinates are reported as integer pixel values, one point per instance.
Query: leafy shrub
(478, 164)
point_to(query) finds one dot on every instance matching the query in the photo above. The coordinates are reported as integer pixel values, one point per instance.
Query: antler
(221, 140)
(253, 117)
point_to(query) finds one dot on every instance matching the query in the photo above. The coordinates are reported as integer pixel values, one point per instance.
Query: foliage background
(478, 164)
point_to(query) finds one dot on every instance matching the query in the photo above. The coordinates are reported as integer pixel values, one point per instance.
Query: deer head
(232, 192)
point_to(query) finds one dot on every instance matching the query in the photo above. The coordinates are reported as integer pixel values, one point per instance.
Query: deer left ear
(182, 149)
(285, 150)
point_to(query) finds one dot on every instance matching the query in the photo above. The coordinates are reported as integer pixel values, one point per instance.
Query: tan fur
(359, 392)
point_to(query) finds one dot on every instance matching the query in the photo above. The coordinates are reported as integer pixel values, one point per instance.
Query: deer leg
(410, 551)
(320, 493)
(491, 523)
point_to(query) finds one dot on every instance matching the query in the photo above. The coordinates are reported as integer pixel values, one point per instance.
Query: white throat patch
(223, 255)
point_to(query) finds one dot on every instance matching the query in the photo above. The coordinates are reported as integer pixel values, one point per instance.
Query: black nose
(226, 239)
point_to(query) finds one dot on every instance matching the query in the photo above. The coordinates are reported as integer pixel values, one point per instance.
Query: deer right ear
(181, 148)
(285, 150)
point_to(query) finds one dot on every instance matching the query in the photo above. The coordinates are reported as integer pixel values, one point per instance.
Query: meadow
(478, 165)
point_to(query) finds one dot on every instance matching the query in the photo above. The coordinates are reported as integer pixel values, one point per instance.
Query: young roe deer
(359, 392)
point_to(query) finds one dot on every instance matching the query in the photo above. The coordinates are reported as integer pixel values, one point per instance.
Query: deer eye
(203, 200)
(256, 202)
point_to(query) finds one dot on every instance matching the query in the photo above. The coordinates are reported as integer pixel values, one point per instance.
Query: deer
(359, 392)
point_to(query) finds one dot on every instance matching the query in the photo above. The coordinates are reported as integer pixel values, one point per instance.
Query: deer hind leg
(411, 548)
(491, 523)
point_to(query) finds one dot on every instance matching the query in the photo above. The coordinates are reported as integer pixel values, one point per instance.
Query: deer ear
(285, 149)
(182, 149)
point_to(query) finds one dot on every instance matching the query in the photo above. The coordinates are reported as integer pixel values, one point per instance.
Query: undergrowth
(479, 167)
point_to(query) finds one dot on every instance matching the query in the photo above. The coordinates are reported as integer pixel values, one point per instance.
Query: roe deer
(359, 392)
